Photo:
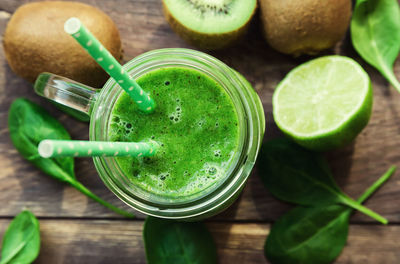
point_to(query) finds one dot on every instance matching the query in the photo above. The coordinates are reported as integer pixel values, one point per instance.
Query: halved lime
(324, 103)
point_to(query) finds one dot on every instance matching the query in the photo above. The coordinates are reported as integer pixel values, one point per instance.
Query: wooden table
(75, 229)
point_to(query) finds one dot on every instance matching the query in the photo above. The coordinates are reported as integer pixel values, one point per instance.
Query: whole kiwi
(35, 41)
(304, 26)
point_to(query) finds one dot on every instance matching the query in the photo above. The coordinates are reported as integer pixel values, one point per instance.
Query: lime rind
(323, 103)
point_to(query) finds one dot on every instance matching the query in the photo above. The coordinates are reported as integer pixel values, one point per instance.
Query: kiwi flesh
(35, 41)
(304, 26)
(210, 24)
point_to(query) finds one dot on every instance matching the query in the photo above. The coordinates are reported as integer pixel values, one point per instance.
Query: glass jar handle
(75, 98)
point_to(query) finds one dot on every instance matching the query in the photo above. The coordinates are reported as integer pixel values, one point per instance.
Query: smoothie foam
(196, 124)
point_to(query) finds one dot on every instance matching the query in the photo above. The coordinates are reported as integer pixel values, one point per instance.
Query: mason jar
(98, 105)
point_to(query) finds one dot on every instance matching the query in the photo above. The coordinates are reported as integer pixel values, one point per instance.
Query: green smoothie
(196, 124)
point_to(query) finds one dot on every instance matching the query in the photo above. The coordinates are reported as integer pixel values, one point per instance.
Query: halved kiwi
(210, 24)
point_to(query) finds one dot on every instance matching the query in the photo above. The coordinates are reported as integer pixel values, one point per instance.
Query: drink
(211, 127)
(196, 124)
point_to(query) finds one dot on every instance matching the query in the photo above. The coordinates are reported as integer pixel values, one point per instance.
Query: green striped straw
(79, 148)
(105, 59)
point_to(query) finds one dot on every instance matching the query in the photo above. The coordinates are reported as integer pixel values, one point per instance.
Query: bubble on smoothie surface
(124, 129)
(217, 153)
(212, 171)
(157, 182)
(136, 173)
(163, 176)
(175, 116)
(201, 122)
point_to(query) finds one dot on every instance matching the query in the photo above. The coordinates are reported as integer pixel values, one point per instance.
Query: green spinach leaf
(375, 33)
(296, 175)
(169, 241)
(313, 234)
(28, 125)
(21, 242)
(308, 235)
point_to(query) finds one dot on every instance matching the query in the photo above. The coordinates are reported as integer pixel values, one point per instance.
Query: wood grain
(100, 241)
(142, 29)
(76, 230)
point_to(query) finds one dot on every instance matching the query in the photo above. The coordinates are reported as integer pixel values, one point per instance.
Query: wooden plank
(66, 241)
(143, 28)
(99, 241)
(243, 243)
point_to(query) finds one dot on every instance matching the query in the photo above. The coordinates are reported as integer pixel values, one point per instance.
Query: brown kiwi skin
(304, 26)
(203, 40)
(35, 41)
